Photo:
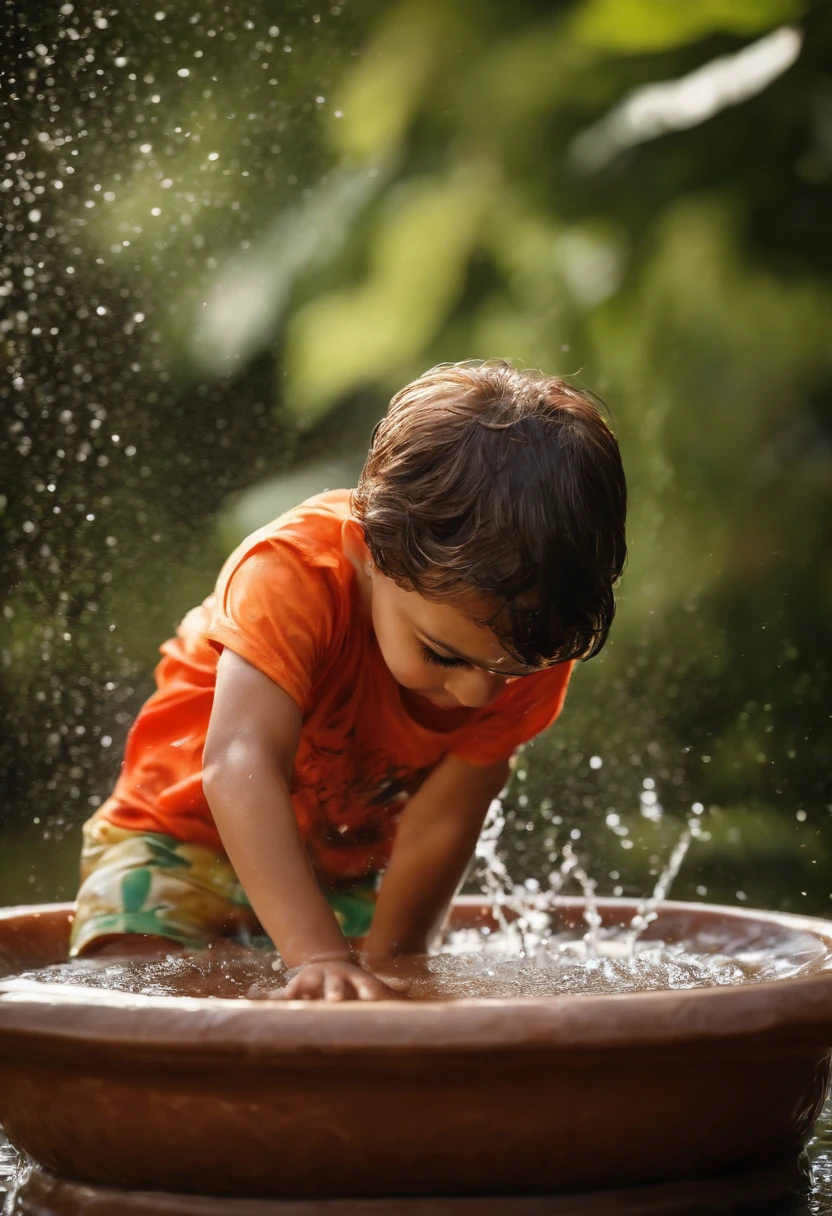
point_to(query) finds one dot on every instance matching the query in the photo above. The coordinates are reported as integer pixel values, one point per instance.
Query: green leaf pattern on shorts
(162, 850)
(149, 883)
(135, 888)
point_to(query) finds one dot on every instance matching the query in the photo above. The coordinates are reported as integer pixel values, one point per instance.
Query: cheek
(394, 641)
(402, 654)
(408, 667)
(388, 629)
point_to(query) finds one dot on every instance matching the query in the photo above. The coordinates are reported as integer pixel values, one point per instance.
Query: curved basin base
(43, 1194)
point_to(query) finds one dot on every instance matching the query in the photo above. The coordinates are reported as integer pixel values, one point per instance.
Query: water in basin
(477, 963)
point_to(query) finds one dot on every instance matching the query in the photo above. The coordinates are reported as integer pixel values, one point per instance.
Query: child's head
(500, 492)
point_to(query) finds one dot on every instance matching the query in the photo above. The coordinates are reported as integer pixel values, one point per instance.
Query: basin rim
(56, 1018)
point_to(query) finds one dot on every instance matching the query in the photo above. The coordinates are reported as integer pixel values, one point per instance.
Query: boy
(347, 702)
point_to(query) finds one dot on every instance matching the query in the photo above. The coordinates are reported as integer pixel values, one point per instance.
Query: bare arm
(437, 834)
(249, 753)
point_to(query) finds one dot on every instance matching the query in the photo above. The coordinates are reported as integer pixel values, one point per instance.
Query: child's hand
(332, 981)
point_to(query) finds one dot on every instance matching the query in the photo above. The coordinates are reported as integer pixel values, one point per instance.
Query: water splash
(527, 914)
(648, 909)
(491, 868)
(528, 910)
(592, 916)
(9, 1164)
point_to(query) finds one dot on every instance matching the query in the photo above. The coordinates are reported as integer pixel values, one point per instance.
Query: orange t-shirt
(287, 601)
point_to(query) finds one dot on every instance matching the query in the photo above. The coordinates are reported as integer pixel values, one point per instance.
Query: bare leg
(126, 946)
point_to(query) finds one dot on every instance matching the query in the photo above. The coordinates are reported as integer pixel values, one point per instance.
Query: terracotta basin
(499, 1097)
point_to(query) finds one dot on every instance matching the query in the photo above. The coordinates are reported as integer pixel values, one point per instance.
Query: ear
(355, 546)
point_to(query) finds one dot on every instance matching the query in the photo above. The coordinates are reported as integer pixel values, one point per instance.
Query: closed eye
(440, 660)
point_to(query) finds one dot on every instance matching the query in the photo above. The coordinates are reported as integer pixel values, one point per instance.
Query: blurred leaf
(633, 26)
(655, 110)
(418, 259)
(378, 97)
(700, 360)
(531, 70)
(246, 301)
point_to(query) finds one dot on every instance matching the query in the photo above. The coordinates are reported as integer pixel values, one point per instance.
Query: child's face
(437, 649)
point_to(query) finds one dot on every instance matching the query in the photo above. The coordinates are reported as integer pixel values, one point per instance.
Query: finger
(258, 993)
(335, 987)
(396, 984)
(311, 985)
(371, 989)
(304, 987)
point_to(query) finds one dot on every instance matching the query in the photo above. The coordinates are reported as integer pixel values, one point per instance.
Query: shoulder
(306, 538)
(293, 566)
(314, 526)
(284, 599)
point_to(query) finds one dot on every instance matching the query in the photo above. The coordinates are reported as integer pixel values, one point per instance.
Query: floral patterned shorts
(145, 882)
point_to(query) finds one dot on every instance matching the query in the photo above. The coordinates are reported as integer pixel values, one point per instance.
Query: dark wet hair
(506, 483)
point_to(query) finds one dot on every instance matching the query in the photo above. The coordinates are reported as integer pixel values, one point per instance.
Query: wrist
(316, 943)
(311, 958)
(381, 949)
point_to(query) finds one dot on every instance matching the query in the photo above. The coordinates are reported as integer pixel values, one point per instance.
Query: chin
(439, 699)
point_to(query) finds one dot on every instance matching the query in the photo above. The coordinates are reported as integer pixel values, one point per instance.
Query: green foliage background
(268, 221)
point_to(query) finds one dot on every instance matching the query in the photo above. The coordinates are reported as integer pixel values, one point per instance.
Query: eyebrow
(498, 671)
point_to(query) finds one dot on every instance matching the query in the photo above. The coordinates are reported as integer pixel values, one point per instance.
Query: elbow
(224, 766)
(214, 769)
(210, 775)
(232, 765)
(214, 758)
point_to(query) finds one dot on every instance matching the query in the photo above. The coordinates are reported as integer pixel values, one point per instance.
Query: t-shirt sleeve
(279, 612)
(528, 708)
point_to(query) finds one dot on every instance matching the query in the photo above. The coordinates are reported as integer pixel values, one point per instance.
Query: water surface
(474, 964)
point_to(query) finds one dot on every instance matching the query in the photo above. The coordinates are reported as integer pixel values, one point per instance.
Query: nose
(474, 688)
